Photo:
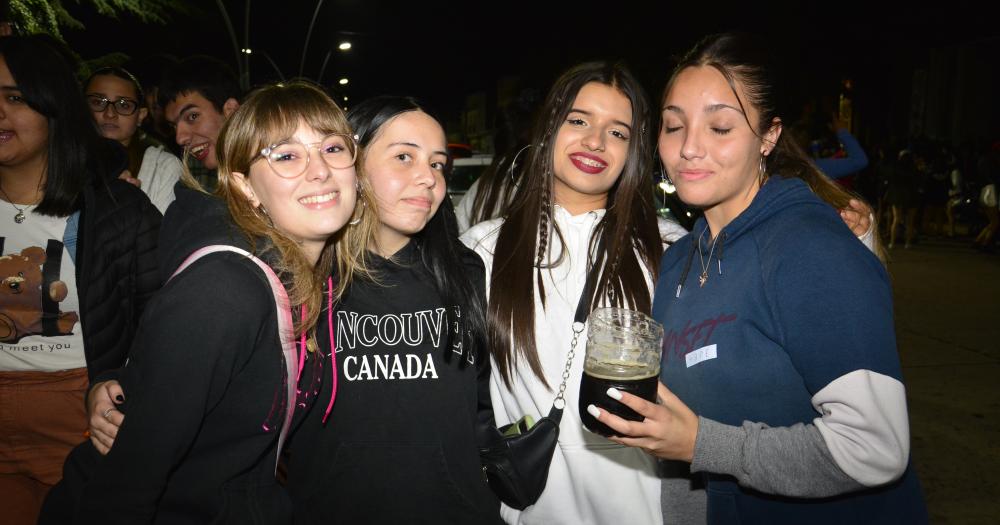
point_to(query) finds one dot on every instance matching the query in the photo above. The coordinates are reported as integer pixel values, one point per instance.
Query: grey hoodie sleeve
(683, 500)
(750, 454)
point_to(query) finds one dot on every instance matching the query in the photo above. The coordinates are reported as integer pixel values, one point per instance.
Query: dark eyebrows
(417, 146)
(10, 88)
(584, 112)
(185, 109)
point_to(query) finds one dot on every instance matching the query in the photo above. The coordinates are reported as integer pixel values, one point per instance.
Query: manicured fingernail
(594, 411)
(613, 393)
(120, 398)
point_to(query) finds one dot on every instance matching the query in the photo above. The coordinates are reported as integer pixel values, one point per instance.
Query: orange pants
(42, 417)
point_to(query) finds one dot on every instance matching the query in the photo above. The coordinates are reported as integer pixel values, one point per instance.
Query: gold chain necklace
(703, 278)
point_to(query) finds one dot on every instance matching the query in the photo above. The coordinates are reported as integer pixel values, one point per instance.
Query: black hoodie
(205, 390)
(399, 445)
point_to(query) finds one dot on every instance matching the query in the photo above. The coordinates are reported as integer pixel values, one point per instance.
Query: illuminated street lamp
(343, 81)
(344, 46)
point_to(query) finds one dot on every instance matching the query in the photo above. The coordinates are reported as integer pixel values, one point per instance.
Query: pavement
(947, 301)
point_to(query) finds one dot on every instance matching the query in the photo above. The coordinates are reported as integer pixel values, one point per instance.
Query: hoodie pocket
(382, 483)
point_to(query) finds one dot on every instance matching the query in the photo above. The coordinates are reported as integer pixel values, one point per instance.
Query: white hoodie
(591, 480)
(158, 173)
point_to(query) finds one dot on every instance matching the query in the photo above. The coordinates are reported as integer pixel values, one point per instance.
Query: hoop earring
(762, 170)
(513, 163)
(358, 220)
(665, 183)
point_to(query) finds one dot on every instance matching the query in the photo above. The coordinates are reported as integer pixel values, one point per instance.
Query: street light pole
(305, 47)
(236, 46)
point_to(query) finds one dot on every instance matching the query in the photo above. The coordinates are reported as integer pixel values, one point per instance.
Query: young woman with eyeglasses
(119, 107)
(400, 444)
(229, 349)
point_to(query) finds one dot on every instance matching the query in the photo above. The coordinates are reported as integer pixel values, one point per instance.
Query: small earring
(356, 221)
(762, 165)
(665, 184)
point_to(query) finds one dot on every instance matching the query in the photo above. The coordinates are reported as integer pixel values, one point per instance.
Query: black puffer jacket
(116, 268)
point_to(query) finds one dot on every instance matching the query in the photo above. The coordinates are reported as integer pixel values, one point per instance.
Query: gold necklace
(703, 278)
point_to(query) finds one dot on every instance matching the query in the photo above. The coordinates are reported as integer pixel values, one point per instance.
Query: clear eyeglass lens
(337, 151)
(288, 160)
(97, 103)
(125, 106)
(291, 159)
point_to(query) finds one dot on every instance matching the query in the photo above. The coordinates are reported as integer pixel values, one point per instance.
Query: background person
(119, 107)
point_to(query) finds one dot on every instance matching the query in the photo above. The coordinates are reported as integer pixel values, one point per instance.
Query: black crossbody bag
(516, 457)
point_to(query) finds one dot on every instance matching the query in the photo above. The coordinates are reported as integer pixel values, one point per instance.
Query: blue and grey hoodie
(780, 337)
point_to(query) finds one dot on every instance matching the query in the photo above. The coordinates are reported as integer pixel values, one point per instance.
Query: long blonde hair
(271, 114)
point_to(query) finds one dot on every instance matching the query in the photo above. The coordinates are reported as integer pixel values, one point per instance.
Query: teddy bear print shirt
(39, 307)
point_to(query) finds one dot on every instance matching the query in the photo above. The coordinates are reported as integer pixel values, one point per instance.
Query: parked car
(464, 172)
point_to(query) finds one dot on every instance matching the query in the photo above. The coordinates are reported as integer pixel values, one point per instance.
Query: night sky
(442, 51)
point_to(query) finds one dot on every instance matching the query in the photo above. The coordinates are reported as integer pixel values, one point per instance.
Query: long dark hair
(44, 73)
(440, 250)
(748, 60)
(631, 246)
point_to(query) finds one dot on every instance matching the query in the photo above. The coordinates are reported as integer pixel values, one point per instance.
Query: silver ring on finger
(108, 412)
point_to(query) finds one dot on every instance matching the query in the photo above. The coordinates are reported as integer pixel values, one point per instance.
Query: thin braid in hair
(543, 240)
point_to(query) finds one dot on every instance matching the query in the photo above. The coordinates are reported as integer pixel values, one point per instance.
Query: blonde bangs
(270, 115)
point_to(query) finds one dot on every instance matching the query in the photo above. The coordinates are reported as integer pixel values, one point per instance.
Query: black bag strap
(582, 312)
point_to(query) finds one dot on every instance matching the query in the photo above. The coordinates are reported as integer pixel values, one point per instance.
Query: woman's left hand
(858, 217)
(668, 431)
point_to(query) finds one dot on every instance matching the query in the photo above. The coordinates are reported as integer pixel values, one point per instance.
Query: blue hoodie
(786, 351)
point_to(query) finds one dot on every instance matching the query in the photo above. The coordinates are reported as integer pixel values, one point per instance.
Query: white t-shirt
(159, 172)
(39, 307)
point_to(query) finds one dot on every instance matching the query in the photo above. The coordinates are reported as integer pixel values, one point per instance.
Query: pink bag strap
(286, 331)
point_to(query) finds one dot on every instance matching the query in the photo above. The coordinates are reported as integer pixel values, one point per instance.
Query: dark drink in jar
(597, 379)
(623, 352)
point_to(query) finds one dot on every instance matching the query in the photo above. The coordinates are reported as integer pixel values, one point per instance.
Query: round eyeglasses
(122, 106)
(289, 159)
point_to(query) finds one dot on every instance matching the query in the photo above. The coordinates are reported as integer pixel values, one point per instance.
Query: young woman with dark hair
(77, 265)
(119, 107)
(785, 389)
(585, 197)
(400, 445)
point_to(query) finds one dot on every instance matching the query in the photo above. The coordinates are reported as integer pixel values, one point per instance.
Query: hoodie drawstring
(333, 347)
(687, 268)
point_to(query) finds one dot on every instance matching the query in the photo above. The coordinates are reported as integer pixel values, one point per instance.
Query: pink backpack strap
(286, 331)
